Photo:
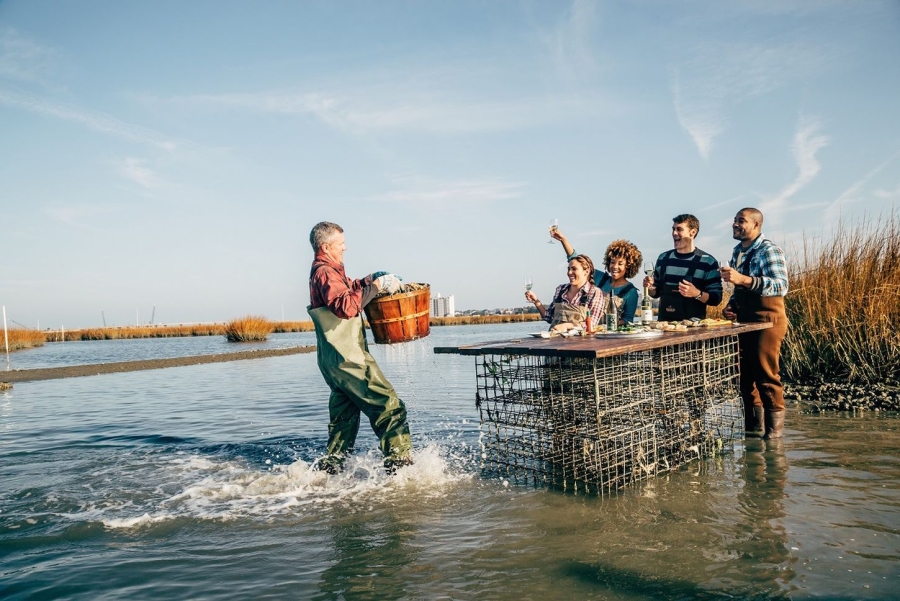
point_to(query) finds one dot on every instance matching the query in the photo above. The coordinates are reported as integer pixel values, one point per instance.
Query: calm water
(193, 483)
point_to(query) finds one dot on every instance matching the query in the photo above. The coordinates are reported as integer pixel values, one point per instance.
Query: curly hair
(623, 249)
(587, 264)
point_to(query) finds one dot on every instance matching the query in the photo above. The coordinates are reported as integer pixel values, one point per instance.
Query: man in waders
(686, 279)
(356, 382)
(760, 284)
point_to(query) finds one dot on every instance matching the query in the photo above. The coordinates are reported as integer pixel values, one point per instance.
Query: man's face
(335, 247)
(683, 236)
(745, 228)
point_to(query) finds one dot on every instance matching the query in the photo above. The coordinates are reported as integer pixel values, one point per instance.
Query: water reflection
(369, 557)
(765, 550)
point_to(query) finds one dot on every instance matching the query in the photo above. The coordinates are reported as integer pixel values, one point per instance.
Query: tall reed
(21, 339)
(250, 328)
(844, 305)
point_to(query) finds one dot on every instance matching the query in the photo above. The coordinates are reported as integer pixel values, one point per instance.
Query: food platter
(540, 334)
(633, 334)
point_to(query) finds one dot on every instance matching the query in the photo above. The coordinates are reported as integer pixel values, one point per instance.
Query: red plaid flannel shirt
(330, 287)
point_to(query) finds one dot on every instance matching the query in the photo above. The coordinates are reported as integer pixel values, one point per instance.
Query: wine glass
(528, 286)
(554, 225)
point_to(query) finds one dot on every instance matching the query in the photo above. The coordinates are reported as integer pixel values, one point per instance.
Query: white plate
(540, 335)
(644, 334)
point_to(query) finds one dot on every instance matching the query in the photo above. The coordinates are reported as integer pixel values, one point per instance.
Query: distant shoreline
(74, 371)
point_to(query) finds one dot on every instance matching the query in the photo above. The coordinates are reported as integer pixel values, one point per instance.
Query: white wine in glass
(528, 283)
(554, 225)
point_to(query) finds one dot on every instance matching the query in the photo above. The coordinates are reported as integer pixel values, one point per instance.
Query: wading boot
(753, 423)
(392, 464)
(774, 424)
(330, 464)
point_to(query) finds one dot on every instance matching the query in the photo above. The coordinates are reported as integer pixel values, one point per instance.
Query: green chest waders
(357, 385)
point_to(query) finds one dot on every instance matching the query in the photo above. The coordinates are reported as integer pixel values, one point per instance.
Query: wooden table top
(593, 347)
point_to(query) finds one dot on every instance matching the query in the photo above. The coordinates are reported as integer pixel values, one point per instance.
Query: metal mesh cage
(596, 425)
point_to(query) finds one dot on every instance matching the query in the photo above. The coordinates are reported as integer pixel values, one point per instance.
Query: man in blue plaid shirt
(760, 284)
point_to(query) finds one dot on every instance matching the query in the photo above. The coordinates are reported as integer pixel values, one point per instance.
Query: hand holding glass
(554, 225)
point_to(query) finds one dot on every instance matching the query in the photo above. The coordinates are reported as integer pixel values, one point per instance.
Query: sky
(168, 159)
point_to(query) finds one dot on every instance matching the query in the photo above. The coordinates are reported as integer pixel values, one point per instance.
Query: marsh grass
(464, 320)
(844, 305)
(293, 326)
(129, 332)
(21, 339)
(250, 328)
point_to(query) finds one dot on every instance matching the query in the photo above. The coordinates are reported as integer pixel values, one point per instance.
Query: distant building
(442, 306)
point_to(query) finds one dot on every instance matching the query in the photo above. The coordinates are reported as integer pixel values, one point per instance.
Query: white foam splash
(229, 490)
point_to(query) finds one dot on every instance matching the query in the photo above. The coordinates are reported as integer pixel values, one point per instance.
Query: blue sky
(176, 154)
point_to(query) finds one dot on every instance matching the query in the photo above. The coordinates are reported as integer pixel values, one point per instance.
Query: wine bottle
(646, 308)
(612, 317)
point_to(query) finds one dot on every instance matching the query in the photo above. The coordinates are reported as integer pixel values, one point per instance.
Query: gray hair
(322, 233)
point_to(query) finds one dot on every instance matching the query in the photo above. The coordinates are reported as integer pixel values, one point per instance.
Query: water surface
(193, 482)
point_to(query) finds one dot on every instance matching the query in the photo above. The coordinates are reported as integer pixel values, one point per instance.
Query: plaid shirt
(330, 287)
(593, 298)
(764, 262)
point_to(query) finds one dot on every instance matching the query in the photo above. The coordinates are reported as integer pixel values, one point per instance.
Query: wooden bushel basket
(400, 317)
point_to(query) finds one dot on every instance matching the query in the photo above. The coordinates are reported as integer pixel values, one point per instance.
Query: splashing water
(227, 490)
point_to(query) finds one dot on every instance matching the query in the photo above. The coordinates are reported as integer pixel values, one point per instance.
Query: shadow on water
(639, 585)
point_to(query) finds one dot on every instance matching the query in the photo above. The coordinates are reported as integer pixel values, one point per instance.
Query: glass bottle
(646, 308)
(612, 317)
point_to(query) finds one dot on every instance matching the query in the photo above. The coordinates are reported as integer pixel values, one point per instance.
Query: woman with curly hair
(622, 261)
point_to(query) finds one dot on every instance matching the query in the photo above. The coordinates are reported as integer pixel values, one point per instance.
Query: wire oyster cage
(595, 425)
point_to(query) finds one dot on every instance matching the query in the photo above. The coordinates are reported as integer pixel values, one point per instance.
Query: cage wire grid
(595, 425)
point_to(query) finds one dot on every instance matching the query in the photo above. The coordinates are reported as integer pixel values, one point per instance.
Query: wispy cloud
(136, 170)
(855, 193)
(717, 76)
(24, 60)
(570, 41)
(807, 142)
(735, 202)
(423, 190)
(90, 119)
(888, 194)
(701, 119)
(386, 107)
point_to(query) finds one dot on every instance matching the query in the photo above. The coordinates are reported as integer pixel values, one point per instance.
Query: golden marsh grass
(844, 305)
(22, 339)
(250, 328)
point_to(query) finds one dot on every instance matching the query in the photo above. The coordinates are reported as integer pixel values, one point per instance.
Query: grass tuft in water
(250, 328)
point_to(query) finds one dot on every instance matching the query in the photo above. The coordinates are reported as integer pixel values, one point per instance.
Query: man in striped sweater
(685, 279)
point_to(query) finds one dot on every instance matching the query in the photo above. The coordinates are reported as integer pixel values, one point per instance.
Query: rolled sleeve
(773, 279)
